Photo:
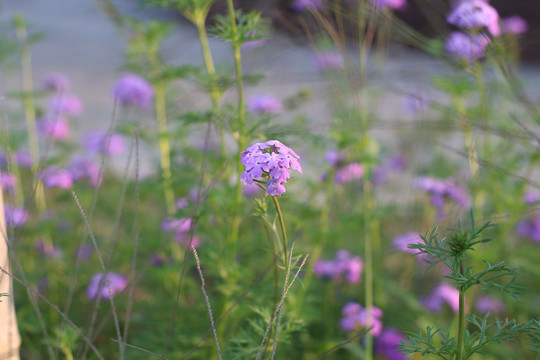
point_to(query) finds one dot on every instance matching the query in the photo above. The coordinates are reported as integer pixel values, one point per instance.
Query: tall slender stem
(164, 146)
(282, 223)
(368, 269)
(461, 315)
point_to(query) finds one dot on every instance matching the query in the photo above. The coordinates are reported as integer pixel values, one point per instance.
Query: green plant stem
(461, 315)
(368, 266)
(282, 224)
(164, 146)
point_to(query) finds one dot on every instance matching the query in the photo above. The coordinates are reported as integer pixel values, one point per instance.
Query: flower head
(514, 25)
(387, 344)
(132, 90)
(348, 173)
(402, 242)
(56, 82)
(443, 293)
(344, 265)
(442, 190)
(301, 5)
(23, 159)
(530, 228)
(485, 304)
(8, 181)
(466, 46)
(103, 286)
(265, 104)
(65, 104)
(269, 163)
(389, 4)
(356, 317)
(48, 250)
(81, 167)
(53, 127)
(328, 60)
(474, 14)
(99, 142)
(56, 177)
(15, 216)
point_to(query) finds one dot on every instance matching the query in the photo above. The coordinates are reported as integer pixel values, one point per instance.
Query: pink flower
(514, 25)
(55, 177)
(103, 286)
(443, 293)
(65, 104)
(53, 127)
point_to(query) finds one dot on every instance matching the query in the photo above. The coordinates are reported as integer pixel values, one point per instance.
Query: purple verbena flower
(442, 190)
(531, 196)
(301, 5)
(48, 250)
(350, 172)
(530, 228)
(514, 24)
(181, 203)
(23, 159)
(83, 252)
(56, 177)
(269, 163)
(8, 181)
(176, 225)
(335, 158)
(344, 265)
(65, 104)
(475, 14)
(56, 82)
(402, 242)
(15, 216)
(443, 293)
(56, 128)
(387, 344)
(328, 60)
(184, 239)
(111, 284)
(81, 167)
(466, 46)
(391, 165)
(100, 142)
(485, 304)
(132, 90)
(356, 317)
(264, 104)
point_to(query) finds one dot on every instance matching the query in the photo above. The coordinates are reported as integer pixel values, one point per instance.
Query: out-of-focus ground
(84, 44)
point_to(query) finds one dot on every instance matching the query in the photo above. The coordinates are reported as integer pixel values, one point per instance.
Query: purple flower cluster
(475, 14)
(530, 228)
(344, 265)
(514, 25)
(402, 242)
(56, 177)
(485, 304)
(8, 181)
(101, 142)
(15, 216)
(48, 250)
(387, 344)
(180, 228)
(443, 293)
(81, 167)
(264, 104)
(111, 284)
(392, 165)
(440, 191)
(355, 317)
(350, 172)
(65, 104)
(469, 47)
(56, 127)
(132, 90)
(269, 163)
(328, 60)
(301, 5)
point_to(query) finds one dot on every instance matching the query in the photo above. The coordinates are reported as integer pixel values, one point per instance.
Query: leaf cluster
(249, 26)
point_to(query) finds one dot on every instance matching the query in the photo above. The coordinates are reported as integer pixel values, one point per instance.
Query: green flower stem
(368, 266)
(284, 232)
(164, 146)
(29, 108)
(461, 315)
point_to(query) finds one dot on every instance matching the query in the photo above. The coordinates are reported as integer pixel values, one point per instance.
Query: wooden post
(10, 340)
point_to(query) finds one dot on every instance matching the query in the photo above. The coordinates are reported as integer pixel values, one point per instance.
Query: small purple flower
(442, 190)
(184, 239)
(335, 158)
(350, 172)
(176, 225)
(181, 203)
(8, 181)
(356, 317)
(56, 177)
(485, 304)
(264, 104)
(56, 82)
(344, 265)
(48, 250)
(80, 167)
(65, 104)
(416, 103)
(394, 164)
(531, 196)
(270, 162)
(514, 25)
(56, 128)
(466, 46)
(83, 252)
(111, 284)
(402, 242)
(475, 14)
(443, 293)
(133, 90)
(15, 216)
(328, 60)
(253, 44)
(389, 4)
(100, 142)
(301, 5)
(23, 159)
(387, 344)
(530, 228)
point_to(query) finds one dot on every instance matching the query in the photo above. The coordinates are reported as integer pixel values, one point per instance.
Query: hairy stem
(461, 315)
(282, 224)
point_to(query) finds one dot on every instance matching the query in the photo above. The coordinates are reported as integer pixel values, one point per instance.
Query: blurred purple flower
(485, 304)
(466, 46)
(355, 318)
(529, 228)
(251, 190)
(443, 293)
(132, 90)
(350, 172)
(301, 5)
(56, 128)
(531, 196)
(81, 167)
(56, 177)
(48, 250)
(389, 4)
(387, 344)
(100, 142)
(253, 44)
(176, 225)
(181, 203)
(416, 103)
(83, 252)
(394, 164)
(343, 265)
(328, 60)
(56, 82)
(440, 191)
(8, 181)
(335, 158)
(402, 242)
(65, 104)
(474, 14)
(159, 260)
(183, 239)
(514, 25)
(15, 216)
(264, 104)
(111, 284)
(23, 159)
